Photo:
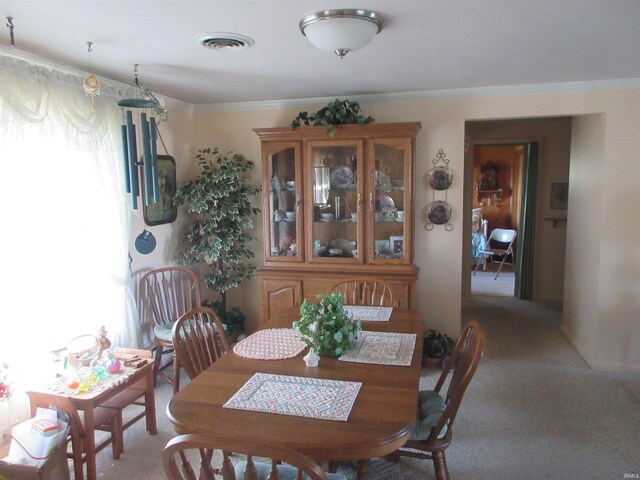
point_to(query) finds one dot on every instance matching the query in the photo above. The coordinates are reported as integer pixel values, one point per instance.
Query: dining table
(379, 422)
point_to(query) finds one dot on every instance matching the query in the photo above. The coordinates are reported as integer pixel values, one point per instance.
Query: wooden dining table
(379, 423)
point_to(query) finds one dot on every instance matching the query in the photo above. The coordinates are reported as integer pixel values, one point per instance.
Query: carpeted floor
(534, 410)
(486, 283)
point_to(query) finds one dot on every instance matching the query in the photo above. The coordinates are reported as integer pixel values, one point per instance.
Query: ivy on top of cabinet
(338, 112)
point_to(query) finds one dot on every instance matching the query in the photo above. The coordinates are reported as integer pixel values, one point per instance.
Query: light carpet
(534, 410)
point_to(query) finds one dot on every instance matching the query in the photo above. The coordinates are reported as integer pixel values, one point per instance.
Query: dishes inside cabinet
(382, 181)
(439, 212)
(384, 201)
(440, 178)
(341, 178)
(344, 245)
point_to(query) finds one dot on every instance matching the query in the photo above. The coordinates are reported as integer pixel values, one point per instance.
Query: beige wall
(615, 281)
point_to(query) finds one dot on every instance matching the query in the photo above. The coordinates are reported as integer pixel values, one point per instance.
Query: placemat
(270, 344)
(369, 314)
(297, 396)
(89, 383)
(385, 348)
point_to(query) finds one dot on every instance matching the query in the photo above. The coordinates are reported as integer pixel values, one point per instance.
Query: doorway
(504, 188)
(546, 244)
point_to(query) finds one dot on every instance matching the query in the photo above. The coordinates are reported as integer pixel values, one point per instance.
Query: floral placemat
(369, 314)
(270, 344)
(297, 396)
(385, 348)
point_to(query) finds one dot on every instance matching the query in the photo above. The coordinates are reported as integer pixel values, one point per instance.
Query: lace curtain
(66, 223)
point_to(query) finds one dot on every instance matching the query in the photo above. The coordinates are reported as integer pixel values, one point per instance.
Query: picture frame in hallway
(559, 196)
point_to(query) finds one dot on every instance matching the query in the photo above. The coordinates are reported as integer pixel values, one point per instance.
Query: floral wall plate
(439, 212)
(440, 178)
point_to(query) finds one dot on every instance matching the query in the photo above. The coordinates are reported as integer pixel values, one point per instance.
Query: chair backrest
(503, 235)
(199, 340)
(462, 365)
(364, 291)
(169, 292)
(182, 444)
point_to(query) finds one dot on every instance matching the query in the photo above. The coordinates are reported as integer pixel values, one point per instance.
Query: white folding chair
(501, 236)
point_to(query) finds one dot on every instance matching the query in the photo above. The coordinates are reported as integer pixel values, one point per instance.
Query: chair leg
(477, 266)
(176, 374)
(117, 436)
(362, 469)
(504, 259)
(156, 363)
(440, 466)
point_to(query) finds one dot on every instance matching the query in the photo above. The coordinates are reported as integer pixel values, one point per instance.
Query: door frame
(470, 144)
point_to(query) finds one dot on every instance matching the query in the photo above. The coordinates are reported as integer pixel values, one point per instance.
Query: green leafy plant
(325, 326)
(437, 345)
(232, 320)
(338, 112)
(220, 197)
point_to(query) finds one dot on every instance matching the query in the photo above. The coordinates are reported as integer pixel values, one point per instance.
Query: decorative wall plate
(440, 178)
(145, 242)
(439, 212)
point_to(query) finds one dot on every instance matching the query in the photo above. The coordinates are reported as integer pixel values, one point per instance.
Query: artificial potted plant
(326, 327)
(437, 348)
(338, 112)
(220, 196)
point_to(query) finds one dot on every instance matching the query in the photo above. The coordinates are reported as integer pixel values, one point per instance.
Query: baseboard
(605, 367)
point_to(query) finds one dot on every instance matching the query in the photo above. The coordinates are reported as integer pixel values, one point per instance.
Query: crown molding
(528, 89)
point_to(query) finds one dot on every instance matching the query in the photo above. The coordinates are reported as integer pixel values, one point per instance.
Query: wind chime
(141, 139)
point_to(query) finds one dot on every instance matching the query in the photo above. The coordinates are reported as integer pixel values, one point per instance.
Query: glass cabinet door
(283, 202)
(334, 190)
(389, 191)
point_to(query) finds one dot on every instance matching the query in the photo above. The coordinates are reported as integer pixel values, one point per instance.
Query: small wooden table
(379, 423)
(87, 402)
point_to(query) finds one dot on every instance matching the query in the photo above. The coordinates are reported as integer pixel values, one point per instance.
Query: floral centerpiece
(326, 327)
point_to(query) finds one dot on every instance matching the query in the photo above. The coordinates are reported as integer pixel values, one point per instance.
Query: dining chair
(364, 291)
(285, 464)
(433, 428)
(199, 340)
(104, 419)
(167, 293)
(500, 236)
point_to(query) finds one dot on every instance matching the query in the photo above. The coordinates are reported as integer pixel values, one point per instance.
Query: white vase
(311, 358)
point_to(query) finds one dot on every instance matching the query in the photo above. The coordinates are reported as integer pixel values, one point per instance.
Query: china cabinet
(336, 207)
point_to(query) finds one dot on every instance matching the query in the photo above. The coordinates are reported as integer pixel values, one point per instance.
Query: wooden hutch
(336, 207)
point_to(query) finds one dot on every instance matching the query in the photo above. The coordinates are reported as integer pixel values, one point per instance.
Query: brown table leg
(90, 442)
(150, 403)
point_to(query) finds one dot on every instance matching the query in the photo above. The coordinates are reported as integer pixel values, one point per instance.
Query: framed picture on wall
(163, 211)
(559, 196)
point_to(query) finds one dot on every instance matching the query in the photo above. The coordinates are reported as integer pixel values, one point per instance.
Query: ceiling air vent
(224, 41)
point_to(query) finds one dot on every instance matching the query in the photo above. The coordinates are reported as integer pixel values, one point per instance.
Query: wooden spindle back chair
(104, 418)
(461, 367)
(364, 291)
(249, 470)
(199, 340)
(167, 293)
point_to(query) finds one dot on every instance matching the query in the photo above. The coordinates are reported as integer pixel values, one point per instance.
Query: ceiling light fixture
(341, 31)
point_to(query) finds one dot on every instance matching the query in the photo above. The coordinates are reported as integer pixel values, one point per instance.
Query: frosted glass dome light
(341, 31)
